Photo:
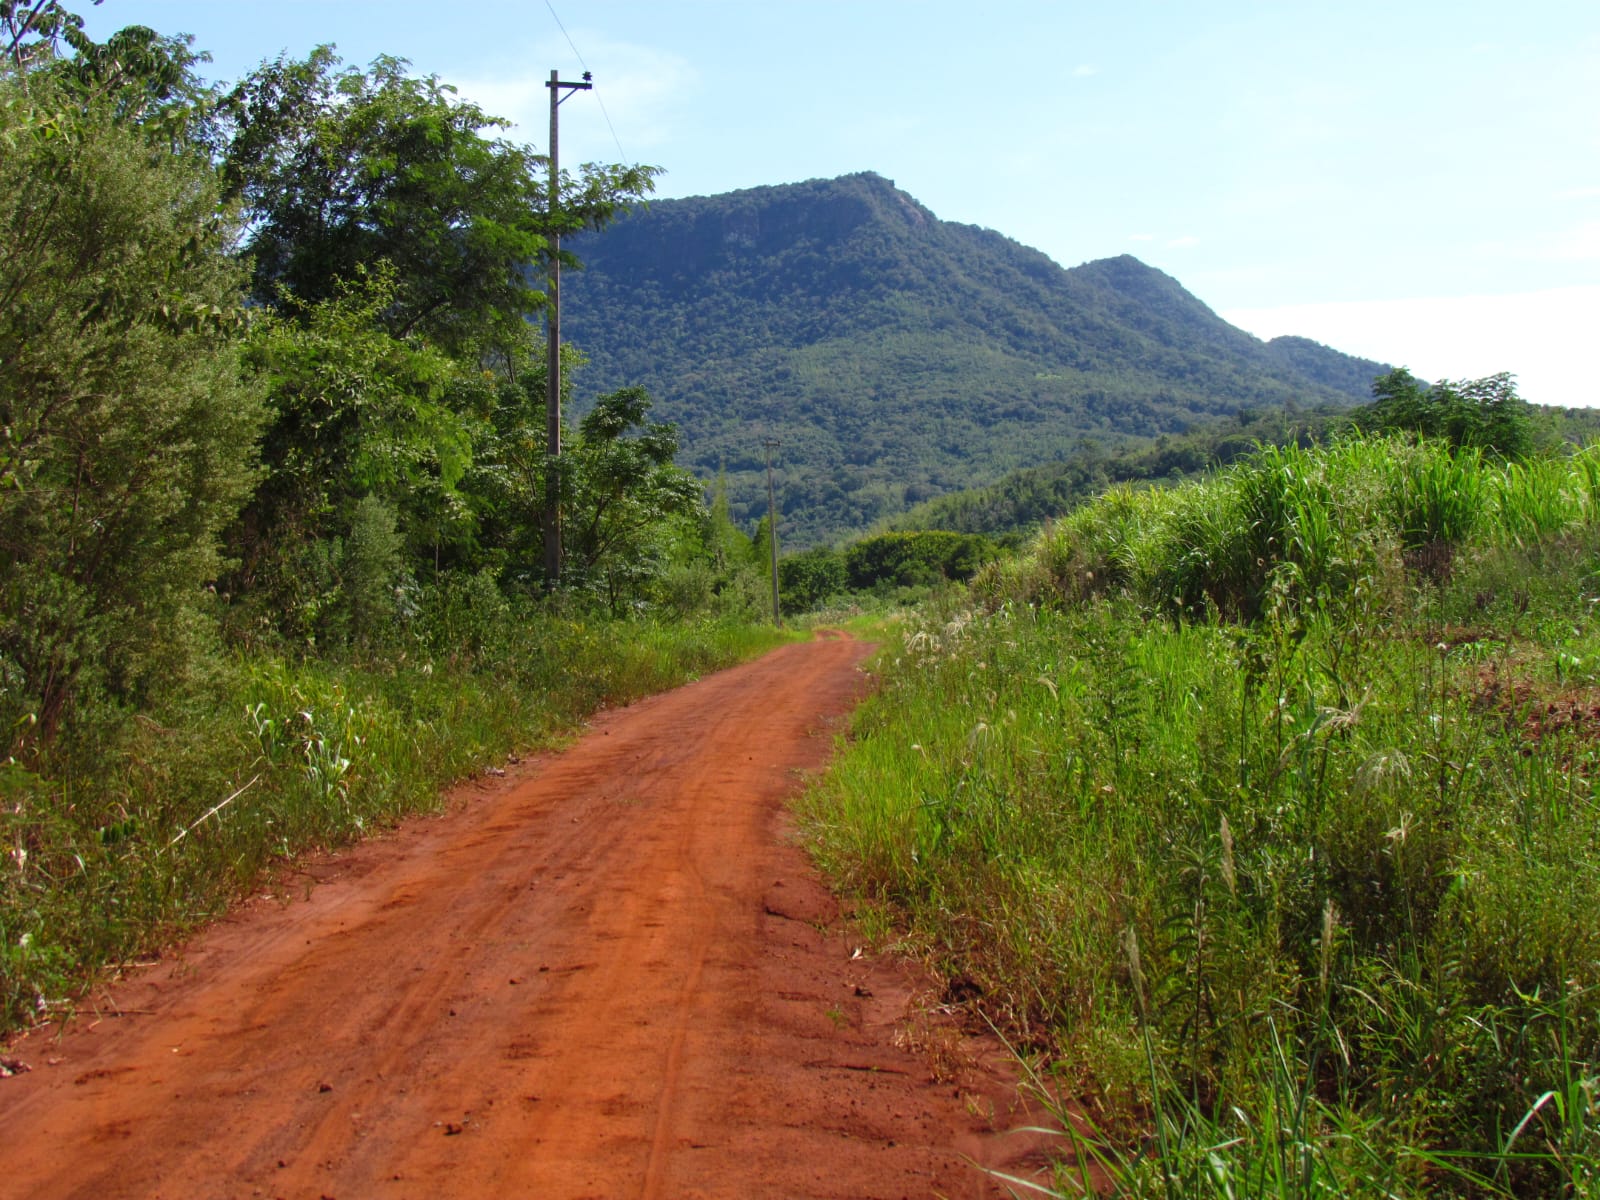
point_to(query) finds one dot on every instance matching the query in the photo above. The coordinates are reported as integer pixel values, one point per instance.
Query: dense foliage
(909, 559)
(382, 353)
(896, 567)
(125, 421)
(898, 357)
(1484, 414)
(272, 468)
(339, 168)
(1269, 802)
(393, 240)
(811, 578)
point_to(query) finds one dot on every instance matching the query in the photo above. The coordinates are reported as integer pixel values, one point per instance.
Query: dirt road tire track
(610, 975)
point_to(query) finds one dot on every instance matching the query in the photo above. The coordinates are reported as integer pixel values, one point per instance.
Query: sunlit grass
(1285, 840)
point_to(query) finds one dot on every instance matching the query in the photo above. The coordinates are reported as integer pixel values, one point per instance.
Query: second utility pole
(772, 528)
(552, 402)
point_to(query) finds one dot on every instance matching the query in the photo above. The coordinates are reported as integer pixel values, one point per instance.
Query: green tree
(1505, 423)
(812, 577)
(338, 167)
(628, 511)
(711, 568)
(506, 483)
(624, 500)
(726, 543)
(915, 559)
(1484, 414)
(396, 237)
(372, 569)
(355, 413)
(125, 429)
(760, 548)
(136, 76)
(34, 32)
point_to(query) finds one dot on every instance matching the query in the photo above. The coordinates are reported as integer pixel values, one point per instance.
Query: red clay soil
(610, 974)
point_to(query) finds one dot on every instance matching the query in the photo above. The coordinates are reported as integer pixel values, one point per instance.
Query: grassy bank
(114, 848)
(1266, 809)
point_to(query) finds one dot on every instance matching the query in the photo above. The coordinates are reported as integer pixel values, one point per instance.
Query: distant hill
(896, 356)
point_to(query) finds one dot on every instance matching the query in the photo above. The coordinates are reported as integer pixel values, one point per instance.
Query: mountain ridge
(896, 356)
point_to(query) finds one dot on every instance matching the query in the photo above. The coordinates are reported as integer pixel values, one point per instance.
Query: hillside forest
(1234, 747)
(845, 320)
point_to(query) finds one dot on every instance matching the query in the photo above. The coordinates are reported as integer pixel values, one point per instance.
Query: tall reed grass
(1327, 518)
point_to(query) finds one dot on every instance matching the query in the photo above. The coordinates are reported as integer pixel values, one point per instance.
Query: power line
(565, 34)
(620, 151)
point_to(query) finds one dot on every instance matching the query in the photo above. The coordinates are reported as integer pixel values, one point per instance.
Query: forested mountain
(896, 356)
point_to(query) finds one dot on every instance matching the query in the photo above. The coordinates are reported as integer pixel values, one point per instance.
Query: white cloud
(514, 99)
(1183, 243)
(1578, 193)
(1141, 237)
(1577, 244)
(639, 87)
(1084, 70)
(1581, 244)
(1543, 337)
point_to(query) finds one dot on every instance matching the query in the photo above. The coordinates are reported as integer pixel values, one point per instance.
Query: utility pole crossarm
(557, 82)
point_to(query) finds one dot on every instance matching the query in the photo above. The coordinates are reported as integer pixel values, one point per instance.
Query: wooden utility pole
(552, 403)
(772, 528)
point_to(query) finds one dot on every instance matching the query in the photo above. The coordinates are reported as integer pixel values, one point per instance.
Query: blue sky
(1414, 181)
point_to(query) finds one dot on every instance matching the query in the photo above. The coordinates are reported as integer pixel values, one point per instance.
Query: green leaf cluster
(915, 559)
(341, 167)
(125, 420)
(1482, 414)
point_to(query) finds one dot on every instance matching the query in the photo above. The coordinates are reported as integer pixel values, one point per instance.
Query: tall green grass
(1325, 519)
(111, 850)
(1286, 845)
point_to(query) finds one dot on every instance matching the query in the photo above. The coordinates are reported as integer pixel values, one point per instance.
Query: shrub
(127, 431)
(810, 579)
(915, 559)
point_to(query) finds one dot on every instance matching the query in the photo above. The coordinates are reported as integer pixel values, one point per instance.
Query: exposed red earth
(609, 974)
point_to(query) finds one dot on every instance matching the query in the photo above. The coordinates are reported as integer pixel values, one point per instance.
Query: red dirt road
(608, 975)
